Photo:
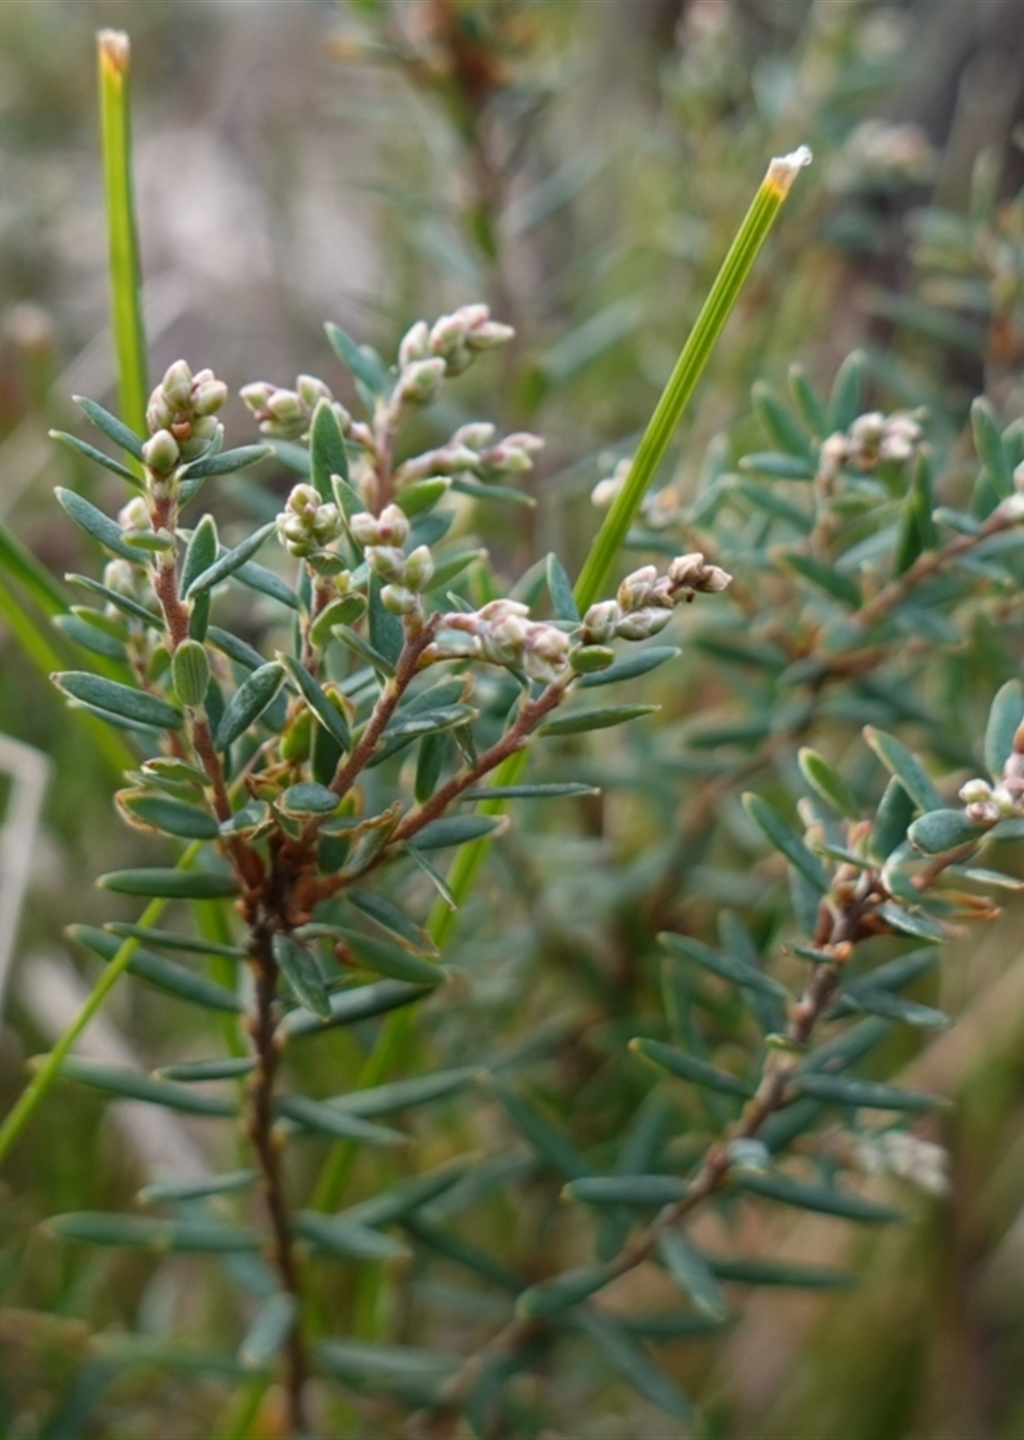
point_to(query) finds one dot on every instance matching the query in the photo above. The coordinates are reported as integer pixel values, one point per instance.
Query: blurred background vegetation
(581, 166)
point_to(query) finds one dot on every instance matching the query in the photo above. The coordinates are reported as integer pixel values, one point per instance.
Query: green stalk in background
(597, 568)
(125, 271)
(32, 1096)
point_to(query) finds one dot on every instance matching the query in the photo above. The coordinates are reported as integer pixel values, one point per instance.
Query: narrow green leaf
(841, 1090)
(329, 715)
(688, 1067)
(1004, 720)
(456, 830)
(892, 820)
(729, 968)
(269, 1332)
(844, 404)
(407, 1196)
(552, 1296)
(171, 817)
(777, 1272)
(943, 830)
(190, 1072)
(907, 769)
(691, 1273)
(171, 940)
(785, 839)
(828, 783)
(96, 641)
(778, 422)
(631, 666)
(596, 719)
(560, 589)
(454, 1248)
(93, 1227)
(248, 703)
(97, 456)
(173, 1191)
(365, 364)
(171, 884)
(550, 1143)
(327, 453)
(409, 725)
(415, 1376)
(397, 963)
(895, 1007)
(201, 553)
(774, 466)
(404, 1094)
(635, 1365)
(911, 922)
(362, 1002)
(130, 1084)
(122, 602)
(356, 1242)
(256, 577)
(646, 1190)
(156, 970)
(826, 578)
(137, 707)
(363, 649)
(111, 426)
(824, 1199)
(96, 524)
(387, 637)
(390, 917)
(225, 462)
(229, 563)
(531, 792)
(806, 400)
(235, 649)
(308, 798)
(989, 444)
(917, 532)
(302, 975)
(420, 498)
(329, 1120)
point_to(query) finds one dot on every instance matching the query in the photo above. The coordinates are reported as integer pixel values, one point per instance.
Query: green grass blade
(125, 271)
(35, 1092)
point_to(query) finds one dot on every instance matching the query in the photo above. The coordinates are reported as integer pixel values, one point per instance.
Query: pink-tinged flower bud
(489, 335)
(177, 385)
(160, 453)
(392, 526)
(419, 568)
(202, 433)
(983, 812)
(636, 589)
(415, 344)
(642, 624)
(497, 610)
(256, 394)
(286, 407)
(209, 397)
(387, 561)
(398, 599)
(546, 653)
(447, 333)
(476, 436)
(420, 382)
(600, 622)
(364, 528)
(685, 571)
(502, 643)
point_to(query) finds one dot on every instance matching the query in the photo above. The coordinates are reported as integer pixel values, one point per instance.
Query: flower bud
(256, 394)
(364, 528)
(497, 610)
(636, 589)
(502, 643)
(159, 415)
(975, 791)
(177, 385)
(202, 434)
(160, 453)
(685, 571)
(419, 568)
(387, 561)
(392, 526)
(546, 653)
(415, 344)
(311, 390)
(447, 333)
(642, 624)
(398, 599)
(209, 397)
(600, 621)
(588, 659)
(476, 436)
(285, 407)
(119, 576)
(420, 382)
(134, 515)
(489, 335)
(190, 671)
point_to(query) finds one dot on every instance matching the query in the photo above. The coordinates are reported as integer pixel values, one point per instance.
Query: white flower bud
(398, 599)
(203, 432)
(502, 643)
(642, 624)
(637, 588)
(685, 571)
(286, 407)
(310, 391)
(419, 568)
(983, 812)
(209, 397)
(600, 622)
(420, 382)
(476, 436)
(256, 394)
(447, 333)
(177, 385)
(159, 415)
(119, 576)
(364, 528)
(387, 561)
(975, 792)
(392, 526)
(489, 335)
(134, 515)
(160, 453)
(497, 610)
(546, 653)
(415, 344)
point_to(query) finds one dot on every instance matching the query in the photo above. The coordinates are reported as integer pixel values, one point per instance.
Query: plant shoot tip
(783, 169)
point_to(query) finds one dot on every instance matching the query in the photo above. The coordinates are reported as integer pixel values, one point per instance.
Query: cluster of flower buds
(871, 440)
(181, 418)
(455, 340)
(659, 508)
(645, 599)
(501, 634)
(472, 450)
(287, 414)
(307, 523)
(898, 1152)
(405, 576)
